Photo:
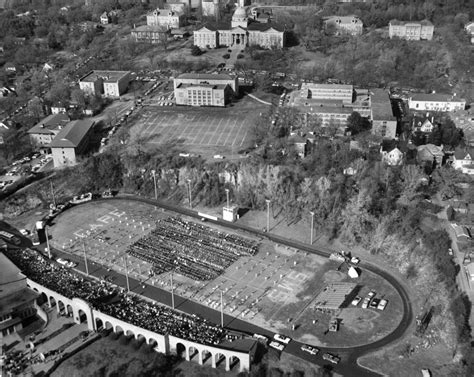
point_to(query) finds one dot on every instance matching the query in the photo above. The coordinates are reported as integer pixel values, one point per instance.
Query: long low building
(384, 123)
(204, 89)
(436, 102)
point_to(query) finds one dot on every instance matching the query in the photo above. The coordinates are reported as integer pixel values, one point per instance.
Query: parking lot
(33, 163)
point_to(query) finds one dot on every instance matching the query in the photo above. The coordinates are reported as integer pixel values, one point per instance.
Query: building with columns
(242, 31)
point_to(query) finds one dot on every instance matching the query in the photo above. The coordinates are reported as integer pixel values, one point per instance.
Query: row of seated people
(197, 251)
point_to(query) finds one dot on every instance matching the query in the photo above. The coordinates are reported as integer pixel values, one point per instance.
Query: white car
(277, 346)
(355, 260)
(309, 349)
(24, 232)
(356, 300)
(62, 262)
(382, 304)
(282, 338)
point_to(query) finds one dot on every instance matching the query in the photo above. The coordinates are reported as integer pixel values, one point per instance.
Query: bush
(240, 56)
(226, 56)
(196, 51)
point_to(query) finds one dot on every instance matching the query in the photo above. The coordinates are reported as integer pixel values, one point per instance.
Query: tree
(78, 97)
(356, 123)
(196, 50)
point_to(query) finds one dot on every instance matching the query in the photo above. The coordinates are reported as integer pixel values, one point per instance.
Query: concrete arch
(118, 329)
(69, 310)
(154, 343)
(129, 333)
(108, 325)
(181, 350)
(61, 307)
(219, 359)
(205, 356)
(193, 352)
(99, 325)
(52, 301)
(234, 362)
(140, 337)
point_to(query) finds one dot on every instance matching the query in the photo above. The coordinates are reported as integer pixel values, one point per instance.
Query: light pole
(52, 193)
(85, 257)
(312, 226)
(268, 214)
(222, 311)
(126, 272)
(189, 193)
(227, 194)
(47, 241)
(153, 172)
(172, 290)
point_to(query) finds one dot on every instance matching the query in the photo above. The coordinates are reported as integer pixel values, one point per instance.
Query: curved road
(348, 365)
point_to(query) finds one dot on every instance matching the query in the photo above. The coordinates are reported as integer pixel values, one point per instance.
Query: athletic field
(207, 127)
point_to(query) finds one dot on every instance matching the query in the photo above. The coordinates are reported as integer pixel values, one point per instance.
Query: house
(58, 109)
(430, 153)
(469, 27)
(460, 206)
(104, 18)
(384, 123)
(166, 18)
(150, 34)
(412, 31)
(436, 102)
(179, 33)
(351, 25)
(70, 142)
(43, 133)
(105, 83)
(195, 89)
(391, 154)
(426, 126)
(300, 143)
(463, 160)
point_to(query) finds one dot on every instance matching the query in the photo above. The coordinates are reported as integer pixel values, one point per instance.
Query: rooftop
(72, 135)
(213, 86)
(204, 76)
(423, 22)
(50, 123)
(334, 295)
(436, 97)
(9, 273)
(343, 19)
(155, 28)
(315, 86)
(107, 76)
(381, 106)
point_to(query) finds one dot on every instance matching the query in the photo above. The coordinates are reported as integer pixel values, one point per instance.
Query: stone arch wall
(215, 352)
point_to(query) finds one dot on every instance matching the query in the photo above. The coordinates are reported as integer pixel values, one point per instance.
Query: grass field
(274, 289)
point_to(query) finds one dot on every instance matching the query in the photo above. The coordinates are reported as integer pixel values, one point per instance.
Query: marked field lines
(196, 128)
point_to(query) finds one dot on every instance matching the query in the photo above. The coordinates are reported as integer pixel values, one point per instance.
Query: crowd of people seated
(110, 300)
(58, 278)
(163, 320)
(195, 250)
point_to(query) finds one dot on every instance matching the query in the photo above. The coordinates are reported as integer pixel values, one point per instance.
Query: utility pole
(268, 214)
(85, 256)
(222, 311)
(312, 226)
(126, 272)
(172, 290)
(47, 241)
(52, 193)
(189, 193)
(153, 172)
(227, 194)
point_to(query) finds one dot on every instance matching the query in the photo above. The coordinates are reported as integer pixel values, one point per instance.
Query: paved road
(349, 356)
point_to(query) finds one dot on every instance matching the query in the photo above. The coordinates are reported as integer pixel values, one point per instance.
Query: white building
(436, 102)
(469, 27)
(165, 18)
(413, 31)
(241, 32)
(43, 133)
(351, 25)
(463, 160)
(392, 157)
(106, 83)
(194, 89)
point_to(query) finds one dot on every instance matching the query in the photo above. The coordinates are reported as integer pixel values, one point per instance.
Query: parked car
(277, 346)
(374, 303)
(365, 303)
(356, 300)
(311, 350)
(70, 264)
(282, 338)
(62, 262)
(382, 304)
(332, 358)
